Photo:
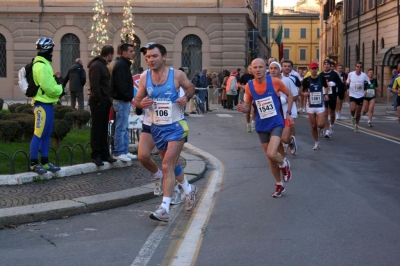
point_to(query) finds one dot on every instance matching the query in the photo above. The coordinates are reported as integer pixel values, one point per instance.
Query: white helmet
(44, 44)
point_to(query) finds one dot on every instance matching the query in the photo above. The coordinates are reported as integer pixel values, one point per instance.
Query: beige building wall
(220, 24)
(373, 26)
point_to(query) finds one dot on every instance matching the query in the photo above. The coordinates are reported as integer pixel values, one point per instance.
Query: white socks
(159, 174)
(165, 203)
(186, 186)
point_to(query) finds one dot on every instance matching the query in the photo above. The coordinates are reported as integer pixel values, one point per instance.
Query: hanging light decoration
(99, 31)
(127, 31)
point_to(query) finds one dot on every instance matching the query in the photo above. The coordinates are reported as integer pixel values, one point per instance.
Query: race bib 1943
(358, 87)
(162, 112)
(266, 107)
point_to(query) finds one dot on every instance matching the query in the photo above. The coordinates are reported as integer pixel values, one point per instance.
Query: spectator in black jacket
(100, 103)
(77, 79)
(122, 94)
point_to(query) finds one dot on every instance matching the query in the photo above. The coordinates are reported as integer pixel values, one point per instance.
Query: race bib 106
(162, 112)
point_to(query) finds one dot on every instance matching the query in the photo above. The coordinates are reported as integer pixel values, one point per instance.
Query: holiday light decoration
(127, 31)
(99, 31)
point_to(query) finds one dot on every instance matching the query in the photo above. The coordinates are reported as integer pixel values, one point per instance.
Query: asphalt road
(340, 208)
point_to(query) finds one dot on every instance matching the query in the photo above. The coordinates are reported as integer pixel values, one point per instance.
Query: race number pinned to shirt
(162, 114)
(315, 97)
(266, 107)
(358, 87)
(370, 93)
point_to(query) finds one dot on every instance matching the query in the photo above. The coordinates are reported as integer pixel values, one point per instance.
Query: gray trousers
(77, 95)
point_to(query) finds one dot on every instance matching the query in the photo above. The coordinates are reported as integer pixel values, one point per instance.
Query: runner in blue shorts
(159, 92)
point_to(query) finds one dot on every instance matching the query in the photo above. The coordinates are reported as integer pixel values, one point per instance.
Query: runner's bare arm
(141, 99)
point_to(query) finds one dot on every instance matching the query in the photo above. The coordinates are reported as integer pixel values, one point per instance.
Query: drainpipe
(376, 46)
(398, 24)
(347, 37)
(41, 3)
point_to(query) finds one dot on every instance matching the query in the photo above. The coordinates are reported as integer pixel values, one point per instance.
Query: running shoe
(287, 174)
(279, 189)
(331, 129)
(355, 128)
(320, 132)
(37, 168)
(353, 121)
(369, 124)
(304, 110)
(316, 146)
(158, 186)
(191, 199)
(248, 128)
(327, 134)
(160, 214)
(253, 126)
(176, 198)
(293, 146)
(50, 167)
(339, 116)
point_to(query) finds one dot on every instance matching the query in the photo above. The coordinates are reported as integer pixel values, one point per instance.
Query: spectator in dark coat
(77, 79)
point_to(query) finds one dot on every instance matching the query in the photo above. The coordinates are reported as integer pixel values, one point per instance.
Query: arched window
(191, 53)
(69, 52)
(382, 43)
(373, 52)
(3, 57)
(136, 47)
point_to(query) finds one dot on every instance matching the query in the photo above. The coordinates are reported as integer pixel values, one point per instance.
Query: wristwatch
(289, 112)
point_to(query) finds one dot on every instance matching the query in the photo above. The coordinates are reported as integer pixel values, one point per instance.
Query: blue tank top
(165, 110)
(267, 106)
(316, 97)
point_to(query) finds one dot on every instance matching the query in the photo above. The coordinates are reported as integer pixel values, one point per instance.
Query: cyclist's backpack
(25, 80)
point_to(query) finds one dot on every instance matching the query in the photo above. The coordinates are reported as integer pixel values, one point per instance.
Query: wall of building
(223, 31)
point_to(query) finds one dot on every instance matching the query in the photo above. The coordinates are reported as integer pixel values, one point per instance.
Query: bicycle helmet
(44, 44)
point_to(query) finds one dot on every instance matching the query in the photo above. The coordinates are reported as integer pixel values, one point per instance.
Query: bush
(8, 130)
(61, 110)
(60, 129)
(77, 119)
(11, 116)
(23, 107)
(14, 106)
(27, 124)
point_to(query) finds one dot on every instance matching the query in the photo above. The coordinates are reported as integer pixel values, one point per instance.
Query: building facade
(371, 34)
(209, 33)
(331, 41)
(301, 30)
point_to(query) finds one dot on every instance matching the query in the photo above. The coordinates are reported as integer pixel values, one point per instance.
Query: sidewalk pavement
(83, 193)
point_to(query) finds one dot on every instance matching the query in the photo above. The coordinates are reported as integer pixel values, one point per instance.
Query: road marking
(371, 132)
(188, 249)
(223, 115)
(154, 239)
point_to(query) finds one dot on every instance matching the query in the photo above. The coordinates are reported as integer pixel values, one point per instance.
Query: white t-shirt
(357, 84)
(295, 91)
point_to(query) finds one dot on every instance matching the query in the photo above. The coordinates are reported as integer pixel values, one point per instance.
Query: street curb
(194, 170)
(77, 169)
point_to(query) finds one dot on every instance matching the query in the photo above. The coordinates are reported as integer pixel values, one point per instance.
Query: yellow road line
(370, 131)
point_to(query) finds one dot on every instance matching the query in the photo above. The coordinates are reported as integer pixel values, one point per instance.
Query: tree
(99, 31)
(127, 31)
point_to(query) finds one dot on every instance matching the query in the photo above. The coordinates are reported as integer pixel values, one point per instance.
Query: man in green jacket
(43, 106)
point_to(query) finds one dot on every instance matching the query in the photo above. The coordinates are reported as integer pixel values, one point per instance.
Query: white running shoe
(191, 199)
(339, 116)
(158, 186)
(248, 128)
(331, 129)
(320, 132)
(316, 146)
(122, 157)
(327, 134)
(176, 198)
(253, 126)
(160, 214)
(131, 156)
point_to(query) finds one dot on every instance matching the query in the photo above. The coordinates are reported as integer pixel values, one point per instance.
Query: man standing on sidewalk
(264, 90)
(203, 92)
(159, 91)
(100, 103)
(122, 94)
(77, 79)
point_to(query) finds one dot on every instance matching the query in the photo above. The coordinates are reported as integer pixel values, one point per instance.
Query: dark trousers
(99, 130)
(77, 95)
(231, 99)
(237, 98)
